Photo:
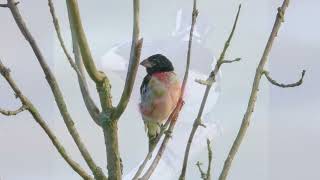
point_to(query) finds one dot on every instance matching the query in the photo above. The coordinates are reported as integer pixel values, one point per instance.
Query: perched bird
(160, 92)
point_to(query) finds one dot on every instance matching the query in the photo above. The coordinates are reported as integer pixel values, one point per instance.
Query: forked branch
(97, 171)
(206, 175)
(26, 103)
(77, 66)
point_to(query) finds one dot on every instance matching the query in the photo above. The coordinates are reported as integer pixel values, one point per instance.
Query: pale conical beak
(146, 63)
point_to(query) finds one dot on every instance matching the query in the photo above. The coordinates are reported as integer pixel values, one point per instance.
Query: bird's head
(157, 63)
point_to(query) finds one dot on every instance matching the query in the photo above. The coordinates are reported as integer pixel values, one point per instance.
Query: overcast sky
(282, 141)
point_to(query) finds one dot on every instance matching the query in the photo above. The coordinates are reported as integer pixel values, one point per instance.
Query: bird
(160, 92)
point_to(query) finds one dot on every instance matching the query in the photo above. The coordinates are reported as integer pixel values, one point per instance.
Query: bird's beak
(146, 63)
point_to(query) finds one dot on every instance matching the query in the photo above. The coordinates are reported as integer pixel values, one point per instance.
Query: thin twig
(254, 92)
(206, 175)
(202, 173)
(209, 159)
(38, 118)
(210, 81)
(97, 171)
(13, 113)
(90, 105)
(174, 115)
(282, 85)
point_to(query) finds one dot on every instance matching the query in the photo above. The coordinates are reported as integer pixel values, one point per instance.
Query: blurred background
(281, 142)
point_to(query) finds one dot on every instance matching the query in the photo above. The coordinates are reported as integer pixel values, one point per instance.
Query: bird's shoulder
(145, 83)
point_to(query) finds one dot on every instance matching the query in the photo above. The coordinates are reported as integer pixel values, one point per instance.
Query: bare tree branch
(231, 61)
(254, 92)
(209, 83)
(202, 173)
(101, 80)
(174, 115)
(173, 119)
(274, 82)
(88, 61)
(209, 159)
(37, 117)
(6, 5)
(206, 175)
(133, 62)
(90, 105)
(14, 112)
(97, 171)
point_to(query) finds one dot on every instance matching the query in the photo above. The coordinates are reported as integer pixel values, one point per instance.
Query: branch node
(281, 14)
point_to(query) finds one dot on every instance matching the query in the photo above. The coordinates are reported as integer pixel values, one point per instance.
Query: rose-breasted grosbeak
(160, 91)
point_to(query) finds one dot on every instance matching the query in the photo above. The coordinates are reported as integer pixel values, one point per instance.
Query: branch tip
(282, 85)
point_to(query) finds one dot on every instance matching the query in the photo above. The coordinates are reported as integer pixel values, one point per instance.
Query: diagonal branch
(101, 80)
(88, 61)
(89, 103)
(274, 82)
(254, 93)
(37, 117)
(14, 112)
(97, 171)
(209, 82)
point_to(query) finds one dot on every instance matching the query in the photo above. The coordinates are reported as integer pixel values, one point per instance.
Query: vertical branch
(133, 62)
(55, 90)
(209, 82)
(90, 105)
(174, 115)
(254, 92)
(27, 105)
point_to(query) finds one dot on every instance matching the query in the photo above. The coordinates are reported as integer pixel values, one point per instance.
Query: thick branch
(13, 113)
(282, 85)
(90, 105)
(88, 61)
(254, 92)
(37, 117)
(55, 90)
(210, 81)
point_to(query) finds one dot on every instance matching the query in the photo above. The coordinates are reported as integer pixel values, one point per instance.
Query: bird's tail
(153, 132)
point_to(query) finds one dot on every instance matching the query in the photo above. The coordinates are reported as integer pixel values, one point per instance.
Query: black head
(157, 63)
